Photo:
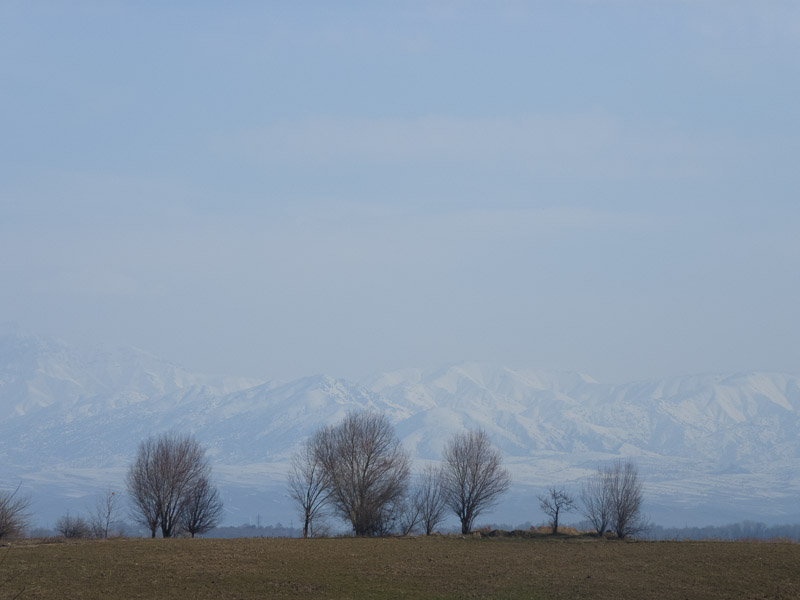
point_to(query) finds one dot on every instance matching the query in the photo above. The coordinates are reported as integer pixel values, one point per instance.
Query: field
(413, 567)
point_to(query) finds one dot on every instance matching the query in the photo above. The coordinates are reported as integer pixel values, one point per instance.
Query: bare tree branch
(430, 498)
(13, 513)
(408, 518)
(102, 515)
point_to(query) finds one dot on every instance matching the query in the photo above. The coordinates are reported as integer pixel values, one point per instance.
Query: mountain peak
(63, 408)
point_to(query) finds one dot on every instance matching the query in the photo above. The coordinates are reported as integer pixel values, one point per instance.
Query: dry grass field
(413, 567)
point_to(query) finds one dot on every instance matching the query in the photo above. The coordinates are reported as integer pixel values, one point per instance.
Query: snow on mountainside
(39, 373)
(741, 418)
(59, 404)
(71, 420)
(267, 422)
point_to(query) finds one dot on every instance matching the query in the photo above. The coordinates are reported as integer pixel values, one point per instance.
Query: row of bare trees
(359, 471)
(611, 500)
(169, 485)
(14, 517)
(356, 470)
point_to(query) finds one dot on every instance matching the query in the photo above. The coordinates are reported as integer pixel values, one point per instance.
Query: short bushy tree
(72, 527)
(554, 503)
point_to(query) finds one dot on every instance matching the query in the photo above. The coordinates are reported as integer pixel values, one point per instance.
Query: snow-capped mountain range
(712, 448)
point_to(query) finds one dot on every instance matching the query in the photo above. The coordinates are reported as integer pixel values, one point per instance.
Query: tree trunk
(555, 522)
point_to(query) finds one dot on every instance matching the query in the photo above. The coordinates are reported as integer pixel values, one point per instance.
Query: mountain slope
(741, 418)
(70, 420)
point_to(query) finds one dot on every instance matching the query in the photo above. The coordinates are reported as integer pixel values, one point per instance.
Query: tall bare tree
(13, 513)
(367, 469)
(161, 479)
(474, 478)
(142, 481)
(627, 495)
(597, 500)
(202, 509)
(430, 498)
(309, 483)
(555, 502)
(103, 514)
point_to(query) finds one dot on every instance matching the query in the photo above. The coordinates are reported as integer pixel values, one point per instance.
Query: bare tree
(13, 513)
(309, 483)
(474, 478)
(72, 527)
(160, 481)
(367, 469)
(627, 496)
(612, 499)
(553, 503)
(409, 517)
(202, 509)
(142, 482)
(103, 515)
(430, 498)
(597, 501)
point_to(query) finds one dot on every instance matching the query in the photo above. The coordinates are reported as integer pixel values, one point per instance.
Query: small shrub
(520, 533)
(72, 527)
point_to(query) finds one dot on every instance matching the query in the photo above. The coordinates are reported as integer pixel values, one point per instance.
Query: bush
(73, 527)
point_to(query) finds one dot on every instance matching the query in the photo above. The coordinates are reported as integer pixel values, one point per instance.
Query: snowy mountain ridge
(722, 444)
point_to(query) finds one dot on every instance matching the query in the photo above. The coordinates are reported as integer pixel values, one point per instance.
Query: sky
(278, 189)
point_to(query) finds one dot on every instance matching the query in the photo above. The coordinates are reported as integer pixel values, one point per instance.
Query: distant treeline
(746, 530)
(254, 531)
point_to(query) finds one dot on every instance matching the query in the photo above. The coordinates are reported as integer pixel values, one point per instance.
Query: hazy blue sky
(284, 188)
